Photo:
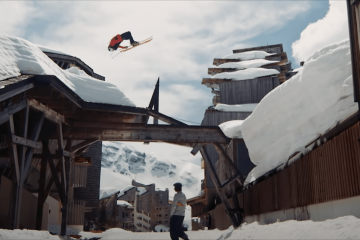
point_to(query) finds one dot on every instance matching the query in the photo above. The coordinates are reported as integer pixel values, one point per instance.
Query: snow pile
(161, 228)
(107, 192)
(255, 63)
(298, 111)
(249, 55)
(18, 56)
(246, 74)
(26, 234)
(232, 129)
(123, 203)
(249, 107)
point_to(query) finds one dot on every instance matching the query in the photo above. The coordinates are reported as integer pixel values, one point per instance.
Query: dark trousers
(127, 36)
(176, 230)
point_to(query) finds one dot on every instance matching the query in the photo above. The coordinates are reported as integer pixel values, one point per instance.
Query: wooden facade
(234, 164)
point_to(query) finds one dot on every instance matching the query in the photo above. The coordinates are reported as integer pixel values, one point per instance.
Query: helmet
(110, 49)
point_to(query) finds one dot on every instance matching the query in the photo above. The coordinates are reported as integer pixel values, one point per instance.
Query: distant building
(151, 206)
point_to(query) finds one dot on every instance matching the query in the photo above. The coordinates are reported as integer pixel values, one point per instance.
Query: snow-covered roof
(123, 192)
(302, 108)
(51, 50)
(141, 190)
(248, 107)
(107, 192)
(249, 55)
(123, 203)
(247, 64)
(19, 56)
(246, 74)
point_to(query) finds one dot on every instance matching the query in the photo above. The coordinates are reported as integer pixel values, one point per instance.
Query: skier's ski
(134, 46)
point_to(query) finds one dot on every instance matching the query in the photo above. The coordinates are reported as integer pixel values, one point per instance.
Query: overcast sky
(188, 35)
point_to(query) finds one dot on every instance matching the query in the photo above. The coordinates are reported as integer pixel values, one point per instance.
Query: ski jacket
(179, 205)
(115, 41)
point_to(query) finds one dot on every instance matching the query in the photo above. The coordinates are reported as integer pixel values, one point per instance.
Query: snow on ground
(249, 55)
(161, 228)
(249, 107)
(246, 74)
(19, 56)
(247, 64)
(298, 111)
(232, 129)
(347, 227)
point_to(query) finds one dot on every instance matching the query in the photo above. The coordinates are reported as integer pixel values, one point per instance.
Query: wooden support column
(234, 220)
(41, 196)
(16, 183)
(154, 102)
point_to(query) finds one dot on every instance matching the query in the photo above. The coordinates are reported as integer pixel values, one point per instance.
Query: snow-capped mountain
(121, 163)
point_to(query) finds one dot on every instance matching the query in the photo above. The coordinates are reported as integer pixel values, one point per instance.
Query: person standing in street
(177, 214)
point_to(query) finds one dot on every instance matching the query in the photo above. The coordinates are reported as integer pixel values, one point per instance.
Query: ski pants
(176, 231)
(127, 36)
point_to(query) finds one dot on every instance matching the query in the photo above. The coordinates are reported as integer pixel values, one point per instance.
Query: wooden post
(41, 194)
(16, 183)
(154, 102)
(66, 167)
(230, 212)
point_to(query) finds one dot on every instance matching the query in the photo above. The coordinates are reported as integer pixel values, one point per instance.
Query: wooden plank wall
(247, 91)
(76, 209)
(330, 172)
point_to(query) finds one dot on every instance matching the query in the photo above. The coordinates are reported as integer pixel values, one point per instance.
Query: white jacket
(179, 204)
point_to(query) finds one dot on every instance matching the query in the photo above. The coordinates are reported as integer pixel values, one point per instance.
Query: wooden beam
(222, 152)
(164, 118)
(34, 138)
(41, 195)
(196, 148)
(230, 212)
(54, 173)
(82, 144)
(16, 183)
(152, 133)
(10, 110)
(49, 113)
(4, 94)
(26, 142)
(60, 141)
(66, 186)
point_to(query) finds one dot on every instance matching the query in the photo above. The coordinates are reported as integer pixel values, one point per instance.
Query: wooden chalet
(231, 169)
(50, 145)
(321, 184)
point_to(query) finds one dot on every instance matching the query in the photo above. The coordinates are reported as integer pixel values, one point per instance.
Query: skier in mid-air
(115, 41)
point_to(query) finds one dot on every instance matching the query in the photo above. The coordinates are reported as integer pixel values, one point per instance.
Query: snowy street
(347, 227)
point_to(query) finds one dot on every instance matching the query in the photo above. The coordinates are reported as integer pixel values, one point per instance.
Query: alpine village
(51, 152)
